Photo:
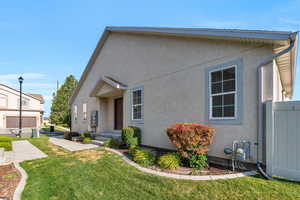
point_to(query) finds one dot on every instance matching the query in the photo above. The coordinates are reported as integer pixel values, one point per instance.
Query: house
(155, 77)
(46, 120)
(32, 108)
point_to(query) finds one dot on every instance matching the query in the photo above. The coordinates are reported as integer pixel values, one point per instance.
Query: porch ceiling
(108, 87)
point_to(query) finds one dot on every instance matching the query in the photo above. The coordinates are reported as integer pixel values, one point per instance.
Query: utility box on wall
(94, 119)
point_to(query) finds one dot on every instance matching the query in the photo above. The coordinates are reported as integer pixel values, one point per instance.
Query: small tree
(191, 138)
(60, 109)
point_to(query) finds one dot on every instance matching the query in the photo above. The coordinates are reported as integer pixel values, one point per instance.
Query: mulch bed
(212, 170)
(9, 179)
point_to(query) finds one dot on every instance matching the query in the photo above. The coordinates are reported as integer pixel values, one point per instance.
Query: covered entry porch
(110, 94)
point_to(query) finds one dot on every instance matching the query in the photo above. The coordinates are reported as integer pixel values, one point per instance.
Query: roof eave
(218, 33)
(294, 61)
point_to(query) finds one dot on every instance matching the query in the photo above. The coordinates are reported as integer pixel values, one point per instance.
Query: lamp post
(20, 116)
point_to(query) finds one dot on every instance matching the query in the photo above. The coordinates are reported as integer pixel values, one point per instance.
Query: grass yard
(97, 174)
(56, 129)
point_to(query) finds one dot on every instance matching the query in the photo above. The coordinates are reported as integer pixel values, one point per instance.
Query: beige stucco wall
(172, 72)
(12, 106)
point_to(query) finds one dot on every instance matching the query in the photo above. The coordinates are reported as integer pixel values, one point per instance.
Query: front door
(118, 114)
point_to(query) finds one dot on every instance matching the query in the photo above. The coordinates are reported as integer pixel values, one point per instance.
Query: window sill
(224, 121)
(137, 121)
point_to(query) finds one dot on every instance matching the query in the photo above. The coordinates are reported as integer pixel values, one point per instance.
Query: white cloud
(28, 76)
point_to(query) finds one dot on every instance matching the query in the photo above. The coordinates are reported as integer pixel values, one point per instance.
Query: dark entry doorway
(119, 113)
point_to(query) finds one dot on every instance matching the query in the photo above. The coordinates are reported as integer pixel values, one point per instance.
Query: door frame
(115, 124)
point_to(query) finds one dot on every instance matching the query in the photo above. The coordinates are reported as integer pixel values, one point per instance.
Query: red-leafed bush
(191, 137)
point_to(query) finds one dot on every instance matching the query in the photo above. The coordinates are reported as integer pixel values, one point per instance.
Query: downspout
(260, 103)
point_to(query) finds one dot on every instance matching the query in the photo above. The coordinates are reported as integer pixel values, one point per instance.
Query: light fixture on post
(20, 106)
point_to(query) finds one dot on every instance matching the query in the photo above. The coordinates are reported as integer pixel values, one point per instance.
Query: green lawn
(56, 129)
(96, 174)
(5, 142)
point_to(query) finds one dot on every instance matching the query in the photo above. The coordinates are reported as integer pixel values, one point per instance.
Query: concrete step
(102, 138)
(97, 142)
(2, 156)
(108, 134)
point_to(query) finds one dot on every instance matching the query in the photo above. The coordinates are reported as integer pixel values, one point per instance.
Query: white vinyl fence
(283, 139)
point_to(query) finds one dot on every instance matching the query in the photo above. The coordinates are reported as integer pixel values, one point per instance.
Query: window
(84, 109)
(25, 103)
(137, 104)
(3, 101)
(223, 93)
(75, 113)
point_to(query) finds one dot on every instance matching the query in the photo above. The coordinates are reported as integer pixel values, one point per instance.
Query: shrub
(169, 161)
(5, 139)
(86, 134)
(131, 136)
(142, 157)
(64, 125)
(6, 145)
(86, 140)
(111, 143)
(69, 135)
(133, 150)
(191, 137)
(198, 161)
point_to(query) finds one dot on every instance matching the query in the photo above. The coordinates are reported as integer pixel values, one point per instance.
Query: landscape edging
(178, 176)
(22, 183)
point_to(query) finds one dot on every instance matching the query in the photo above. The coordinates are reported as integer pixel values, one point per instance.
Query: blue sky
(47, 40)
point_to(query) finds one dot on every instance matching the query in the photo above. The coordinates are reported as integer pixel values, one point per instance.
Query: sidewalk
(71, 146)
(23, 150)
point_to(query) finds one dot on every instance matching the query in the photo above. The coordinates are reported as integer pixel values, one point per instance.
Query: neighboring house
(32, 108)
(155, 77)
(46, 120)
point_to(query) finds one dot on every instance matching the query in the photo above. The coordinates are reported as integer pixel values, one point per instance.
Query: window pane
(216, 88)
(137, 97)
(229, 74)
(217, 100)
(216, 76)
(229, 86)
(228, 111)
(217, 112)
(137, 112)
(229, 99)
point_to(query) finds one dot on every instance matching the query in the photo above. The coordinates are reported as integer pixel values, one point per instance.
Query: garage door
(27, 122)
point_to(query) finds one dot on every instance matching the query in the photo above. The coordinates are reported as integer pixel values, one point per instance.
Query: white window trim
(134, 105)
(75, 112)
(84, 111)
(5, 98)
(24, 100)
(223, 93)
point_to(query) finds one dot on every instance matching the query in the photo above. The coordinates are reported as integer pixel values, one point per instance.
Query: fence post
(270, 136)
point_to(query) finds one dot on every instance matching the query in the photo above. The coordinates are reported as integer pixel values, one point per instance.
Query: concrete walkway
(23, 150)
(71, 146)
